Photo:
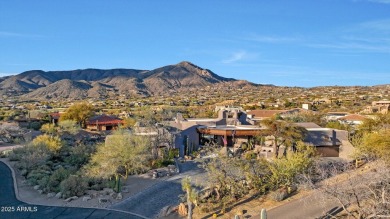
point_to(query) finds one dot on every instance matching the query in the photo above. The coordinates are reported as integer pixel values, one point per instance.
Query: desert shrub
(244, 146)
(69, 126)
(53, 184)
(73, 186)
(250, 156)
(172, 153)
(48, 128)
(285, 170)
(79, 155)
(32, 157)
(35, 125)
(17, 140)
(43, 181)
(162, 163)
(4, 154)
(16, 154)
(52, 143)
(97, 183)
(35, 175)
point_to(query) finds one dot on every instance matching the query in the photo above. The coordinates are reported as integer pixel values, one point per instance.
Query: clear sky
(282, 42)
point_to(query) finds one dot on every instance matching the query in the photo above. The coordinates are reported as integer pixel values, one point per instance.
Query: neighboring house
(162, 136)
(45, 107)
(54, 117)
(353, 119)
(258, 115)
(382, 106)
(103, 123)
(334, 116)
(328, 142)
(307, 106)
(324, 140)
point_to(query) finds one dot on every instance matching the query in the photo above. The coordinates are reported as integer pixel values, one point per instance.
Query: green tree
(122, 154)
(78, 112)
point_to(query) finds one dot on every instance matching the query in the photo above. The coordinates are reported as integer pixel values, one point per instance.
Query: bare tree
(361, 194)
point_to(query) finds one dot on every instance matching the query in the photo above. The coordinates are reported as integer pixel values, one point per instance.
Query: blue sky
(282, 42)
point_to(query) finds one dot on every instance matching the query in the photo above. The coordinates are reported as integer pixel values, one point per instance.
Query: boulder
(24, 172)
(71, 198)
(171, 168)
(125, 189)
(155, 174)
(103, 200)
(167, 210)
(37, 187)
(86, 198)
(119, 196)
(40, 191)
(51, 194)
(107, 191)
(182, 210)
(92, 193)
(163, 212)
(171, 210)
(58, 195)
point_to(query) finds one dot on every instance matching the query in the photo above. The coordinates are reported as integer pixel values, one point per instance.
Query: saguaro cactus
(263, 214)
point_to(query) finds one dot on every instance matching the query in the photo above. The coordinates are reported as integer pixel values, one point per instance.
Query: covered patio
(229, 135)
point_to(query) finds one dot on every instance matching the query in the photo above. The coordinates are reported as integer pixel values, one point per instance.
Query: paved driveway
(165, 193)
(308, 207)
(12, 208)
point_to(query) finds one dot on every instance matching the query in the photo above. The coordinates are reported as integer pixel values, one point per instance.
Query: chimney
(222, 114)
(235, 114)
(334, 139)
(179, 118)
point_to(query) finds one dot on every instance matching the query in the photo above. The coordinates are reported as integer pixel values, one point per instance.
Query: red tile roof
(55, 115)
(353, 117)
(104, 120)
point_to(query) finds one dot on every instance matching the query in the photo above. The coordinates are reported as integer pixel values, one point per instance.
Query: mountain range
(98, 83)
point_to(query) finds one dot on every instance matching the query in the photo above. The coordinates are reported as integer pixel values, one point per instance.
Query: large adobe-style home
(233, 128)
(230, 124)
